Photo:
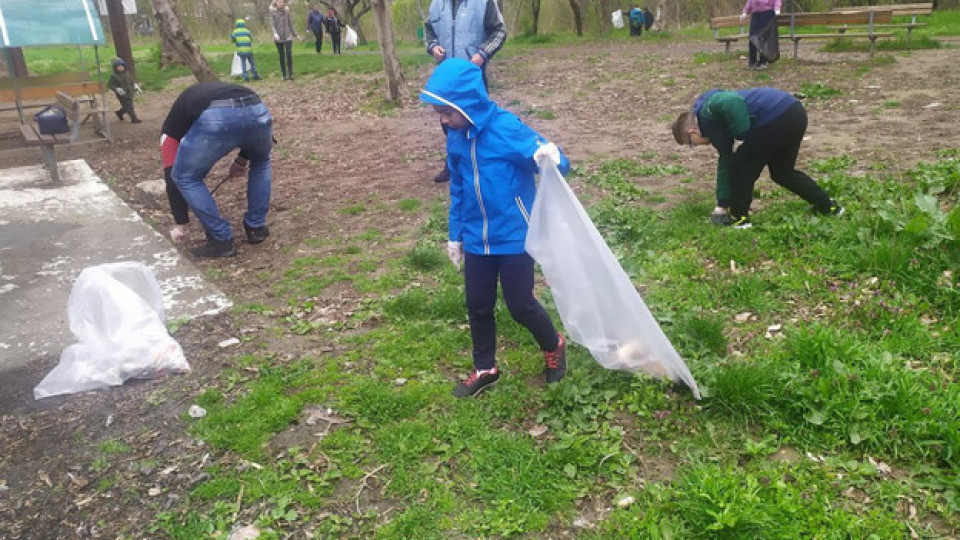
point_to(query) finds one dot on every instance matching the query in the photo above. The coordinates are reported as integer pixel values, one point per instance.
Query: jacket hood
(241, 23)
(459, 84)
(698, 104)
(117, 62)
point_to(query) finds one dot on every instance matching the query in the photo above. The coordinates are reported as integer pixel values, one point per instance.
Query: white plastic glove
(776, 12)
(743, 17)
(455, 253)
(120, 92)
(547, 151)
(136, 87)
(178, 233)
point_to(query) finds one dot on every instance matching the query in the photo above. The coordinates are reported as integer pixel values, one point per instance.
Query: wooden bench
(865, 22)
(899, 10)
(80, 110)
(46, 144)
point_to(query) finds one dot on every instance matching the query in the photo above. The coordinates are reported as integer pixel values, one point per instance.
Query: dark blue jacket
(315, 22)
(491, 163)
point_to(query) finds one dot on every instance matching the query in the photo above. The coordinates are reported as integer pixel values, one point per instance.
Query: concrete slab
(50, 233)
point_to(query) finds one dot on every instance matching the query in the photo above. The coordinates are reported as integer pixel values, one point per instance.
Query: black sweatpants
(515, 273)
(335, 39)
(319, 37)
(178, 205)
(126, 107)
(776, 146)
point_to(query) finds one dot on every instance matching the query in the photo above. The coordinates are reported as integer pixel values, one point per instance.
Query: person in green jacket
(123, 86)
(770, 123)
(243, 39)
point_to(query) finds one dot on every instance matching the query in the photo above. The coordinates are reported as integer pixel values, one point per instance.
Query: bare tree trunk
(173, 32)
(168, 53)
(388, 49)
(535, 9)
(577, 17)
(121, 36)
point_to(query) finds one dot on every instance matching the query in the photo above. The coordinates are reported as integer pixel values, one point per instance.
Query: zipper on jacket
(476, 188)
(453, 27)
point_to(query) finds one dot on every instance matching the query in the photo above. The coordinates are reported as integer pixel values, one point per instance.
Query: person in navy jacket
(770, 123)
(493, 158)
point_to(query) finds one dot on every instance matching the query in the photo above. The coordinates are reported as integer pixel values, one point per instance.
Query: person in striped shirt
(243, 39)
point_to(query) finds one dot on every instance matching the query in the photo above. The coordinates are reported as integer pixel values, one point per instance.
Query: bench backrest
(28, 93)
(728, 21)
(899, 10)
(875, 16)
(880, 15)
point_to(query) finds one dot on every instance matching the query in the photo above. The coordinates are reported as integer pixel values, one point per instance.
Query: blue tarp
(27, 23)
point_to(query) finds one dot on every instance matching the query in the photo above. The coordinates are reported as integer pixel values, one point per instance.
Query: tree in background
(535, 12)
(577, 17)
(176, 35)
(388, 49)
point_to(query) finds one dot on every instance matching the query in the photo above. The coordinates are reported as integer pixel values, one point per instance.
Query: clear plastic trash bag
(116, 313)
(616, 18)
(600, 308)
(236, 67)
(350, 38)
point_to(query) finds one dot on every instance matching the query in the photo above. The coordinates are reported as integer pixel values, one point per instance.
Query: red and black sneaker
(478, 381)
(556, 361)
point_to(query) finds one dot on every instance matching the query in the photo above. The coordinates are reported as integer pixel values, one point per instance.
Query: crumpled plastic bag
(236, 67)
(616, 18)
(116, 313)
(600, 308)
(350, 38)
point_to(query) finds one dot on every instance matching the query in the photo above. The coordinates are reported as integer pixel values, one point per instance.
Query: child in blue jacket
(492, 157)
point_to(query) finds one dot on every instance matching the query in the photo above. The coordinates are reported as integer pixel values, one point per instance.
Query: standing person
(771, 124)
(493, 157)
(647, 19)
(334, 24)
(762, 13)
(636, 21)
(469, 29)
(282, 22)
(243, 39)
(206, 122)
(315, 22)
(123, 86)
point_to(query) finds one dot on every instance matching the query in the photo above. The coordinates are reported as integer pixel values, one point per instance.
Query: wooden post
(121, 37)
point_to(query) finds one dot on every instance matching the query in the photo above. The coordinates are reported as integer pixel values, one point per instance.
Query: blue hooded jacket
(491, 163)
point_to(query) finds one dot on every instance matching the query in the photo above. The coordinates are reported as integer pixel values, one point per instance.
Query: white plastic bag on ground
(599, 306)
(236, 68)
(617, 19)
(350, 39)
(116, 312)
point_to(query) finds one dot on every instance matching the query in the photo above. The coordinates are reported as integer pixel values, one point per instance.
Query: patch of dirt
(609, 100)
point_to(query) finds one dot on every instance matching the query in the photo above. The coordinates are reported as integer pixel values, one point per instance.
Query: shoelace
(552, 358)
(475, 376)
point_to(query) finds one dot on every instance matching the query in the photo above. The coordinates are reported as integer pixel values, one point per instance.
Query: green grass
(857, 387)
(48, 60)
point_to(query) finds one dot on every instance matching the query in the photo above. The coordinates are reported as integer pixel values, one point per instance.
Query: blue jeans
(213, 135)
(244, 58)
